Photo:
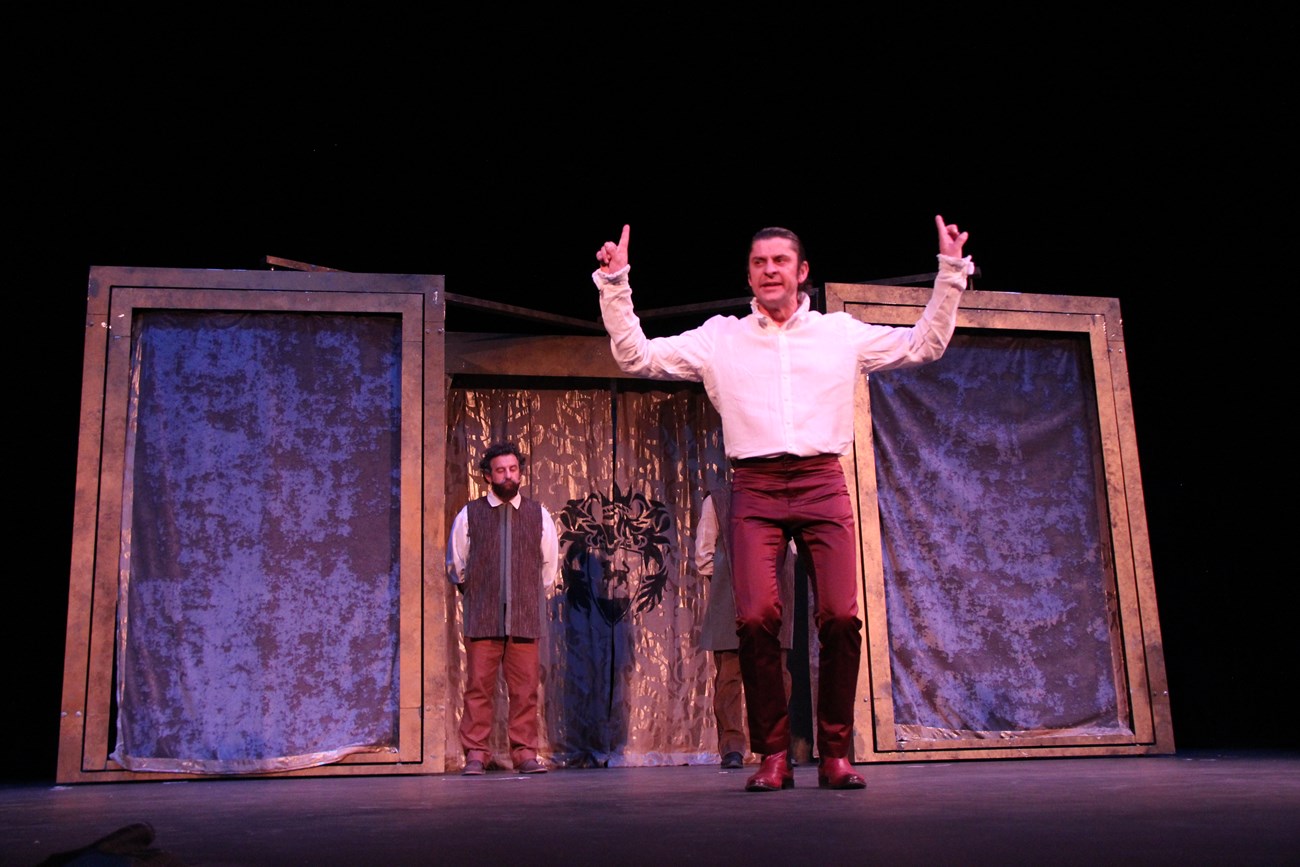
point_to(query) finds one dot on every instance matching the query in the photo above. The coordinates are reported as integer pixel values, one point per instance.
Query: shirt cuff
(613, 278)
(964, 264)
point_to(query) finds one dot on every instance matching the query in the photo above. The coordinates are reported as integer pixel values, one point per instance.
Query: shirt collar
(764, 320)
(494, 500)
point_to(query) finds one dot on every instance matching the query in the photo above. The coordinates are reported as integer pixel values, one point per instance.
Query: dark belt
(777, 459)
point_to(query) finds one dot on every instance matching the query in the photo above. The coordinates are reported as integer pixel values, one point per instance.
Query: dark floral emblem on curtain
(615, 553)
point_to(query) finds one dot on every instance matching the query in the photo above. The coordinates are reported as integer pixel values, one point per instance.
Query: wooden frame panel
(1140, 675)
(114, 295)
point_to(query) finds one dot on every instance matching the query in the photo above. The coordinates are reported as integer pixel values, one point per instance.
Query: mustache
(504, 487)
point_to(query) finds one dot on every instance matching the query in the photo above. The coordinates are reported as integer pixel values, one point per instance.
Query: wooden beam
(296, 266)
(914, 279)
(523, 312)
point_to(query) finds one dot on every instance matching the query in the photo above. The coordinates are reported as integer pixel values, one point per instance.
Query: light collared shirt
(782, 388)
(706, 538)
(458, 544)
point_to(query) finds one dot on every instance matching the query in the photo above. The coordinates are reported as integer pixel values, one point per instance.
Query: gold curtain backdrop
(623, 474)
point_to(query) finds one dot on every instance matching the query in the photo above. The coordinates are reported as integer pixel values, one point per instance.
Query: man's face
(504, 477)
(775, 273)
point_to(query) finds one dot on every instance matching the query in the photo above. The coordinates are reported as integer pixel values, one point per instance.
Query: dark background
(1087, 155)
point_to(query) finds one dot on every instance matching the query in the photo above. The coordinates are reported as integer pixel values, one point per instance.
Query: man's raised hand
(612, 257)
(950, 240)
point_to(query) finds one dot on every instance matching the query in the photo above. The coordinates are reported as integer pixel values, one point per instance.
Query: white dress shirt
(782, 388)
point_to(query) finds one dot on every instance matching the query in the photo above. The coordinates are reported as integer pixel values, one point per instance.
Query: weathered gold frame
(1139, 657)
(114, 296)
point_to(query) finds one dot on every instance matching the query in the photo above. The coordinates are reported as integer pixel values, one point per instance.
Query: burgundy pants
(484, 657)
(729, 700)
(805, 499)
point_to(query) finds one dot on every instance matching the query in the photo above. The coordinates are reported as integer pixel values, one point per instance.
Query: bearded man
(503, 556)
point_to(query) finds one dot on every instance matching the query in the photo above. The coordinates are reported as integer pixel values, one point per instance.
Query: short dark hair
(496, 450)
(778, 232)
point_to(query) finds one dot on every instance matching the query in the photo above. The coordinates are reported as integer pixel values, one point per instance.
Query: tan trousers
(484, 657)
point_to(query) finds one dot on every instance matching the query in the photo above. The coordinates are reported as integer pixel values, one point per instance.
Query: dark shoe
(732, 761)
(838, 774)
(773, 774)
(473, 768)
(531, 766)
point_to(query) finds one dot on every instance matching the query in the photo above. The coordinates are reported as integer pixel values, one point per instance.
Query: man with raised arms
(782, 378)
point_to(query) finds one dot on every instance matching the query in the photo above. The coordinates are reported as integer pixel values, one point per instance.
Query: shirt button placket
(787, 392)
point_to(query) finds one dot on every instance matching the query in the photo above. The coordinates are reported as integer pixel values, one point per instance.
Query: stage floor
(1221, 808)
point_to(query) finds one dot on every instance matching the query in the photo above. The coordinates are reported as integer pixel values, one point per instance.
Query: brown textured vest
(503, 588)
